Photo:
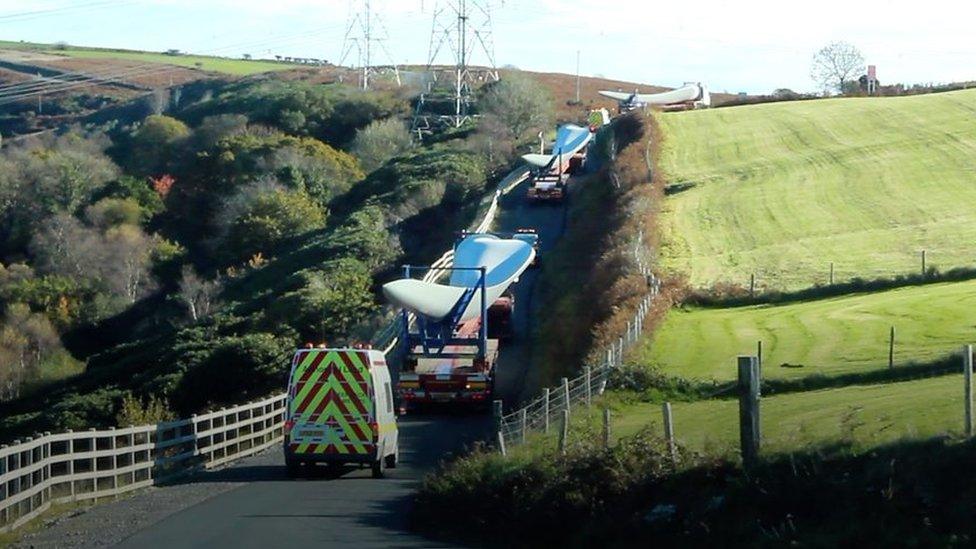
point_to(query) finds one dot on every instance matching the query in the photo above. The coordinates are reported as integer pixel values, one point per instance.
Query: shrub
(381, 141)
(272, 218)
(134, 411)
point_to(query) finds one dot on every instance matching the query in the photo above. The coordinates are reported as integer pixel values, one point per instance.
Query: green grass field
(865, 415)
(828, 337)
(782, 190)
(236, 67)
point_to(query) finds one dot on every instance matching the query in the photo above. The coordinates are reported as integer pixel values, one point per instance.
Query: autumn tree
(270, 218)
(835, 65)
(155, 143)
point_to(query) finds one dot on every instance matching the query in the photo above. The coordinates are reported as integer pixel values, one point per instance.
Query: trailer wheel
(378, 467)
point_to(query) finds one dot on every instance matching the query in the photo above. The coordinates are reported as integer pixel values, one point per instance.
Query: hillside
(208, 63)
(562, 87)
(146, 259)
(782, 190)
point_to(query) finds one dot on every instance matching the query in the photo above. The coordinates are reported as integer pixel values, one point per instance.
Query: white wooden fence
(88, 465)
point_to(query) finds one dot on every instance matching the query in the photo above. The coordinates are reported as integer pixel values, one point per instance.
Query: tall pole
(967, 370)
(577, 76)
(368, 39)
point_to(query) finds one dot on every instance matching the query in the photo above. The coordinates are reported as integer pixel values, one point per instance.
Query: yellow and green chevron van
(340, 410)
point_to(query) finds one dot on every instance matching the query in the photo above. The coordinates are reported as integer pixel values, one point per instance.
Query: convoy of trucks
(342, 402)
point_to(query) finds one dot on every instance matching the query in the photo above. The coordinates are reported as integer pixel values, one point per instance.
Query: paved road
(515, 379)
(348, 510)
(255, 505)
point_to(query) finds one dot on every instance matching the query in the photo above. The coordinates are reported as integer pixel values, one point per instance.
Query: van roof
(370, 352)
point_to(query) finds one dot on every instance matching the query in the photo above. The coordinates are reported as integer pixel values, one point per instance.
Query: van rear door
(331, 403)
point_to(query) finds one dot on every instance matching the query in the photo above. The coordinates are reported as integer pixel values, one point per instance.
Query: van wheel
(292, 468)
(390, 461)
(378, 467)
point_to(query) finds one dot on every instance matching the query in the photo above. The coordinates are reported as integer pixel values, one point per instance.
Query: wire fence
(541, 414)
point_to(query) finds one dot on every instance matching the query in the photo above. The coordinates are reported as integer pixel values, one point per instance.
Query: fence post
(891, 349)
(564, 432)
(967, 369)
(115, 464)
(545, 410)
(71, 463)
(496, 412)
(30, 477)
(759, 357)
(589, 386)
(749, 433)
(523, 416)
(4, 491)
(610, 357)
(566, 395)
(606, 427)
(752, 285)
(629, 332)
(669, 432)
(620, 353)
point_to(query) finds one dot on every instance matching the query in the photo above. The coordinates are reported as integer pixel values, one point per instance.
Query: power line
(365, 33)
(462, 29)
(29, 15)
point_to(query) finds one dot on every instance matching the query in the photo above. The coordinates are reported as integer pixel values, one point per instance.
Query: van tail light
(375, 428)
(289, 425)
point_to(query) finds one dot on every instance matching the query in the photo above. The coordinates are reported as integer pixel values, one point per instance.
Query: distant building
(871, 84)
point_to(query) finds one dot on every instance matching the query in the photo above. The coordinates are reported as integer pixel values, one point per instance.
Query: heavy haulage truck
(451, 332)
(550, 173)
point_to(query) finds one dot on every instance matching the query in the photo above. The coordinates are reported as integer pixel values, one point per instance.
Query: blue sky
(745, 45)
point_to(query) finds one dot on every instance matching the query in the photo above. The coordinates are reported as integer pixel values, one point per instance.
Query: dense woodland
(163, 265)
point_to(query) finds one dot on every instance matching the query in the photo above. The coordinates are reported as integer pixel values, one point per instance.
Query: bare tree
(836, 64)
(65, 247)
(117, 261)
(27, 339)
(199, 296)
(128, 251)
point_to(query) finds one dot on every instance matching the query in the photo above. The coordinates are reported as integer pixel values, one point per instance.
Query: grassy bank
(826, 337)
(593, 286)
(781, 190)
(914, 494)
(863, 416)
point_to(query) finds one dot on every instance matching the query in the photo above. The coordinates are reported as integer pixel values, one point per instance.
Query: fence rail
(38, 472)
